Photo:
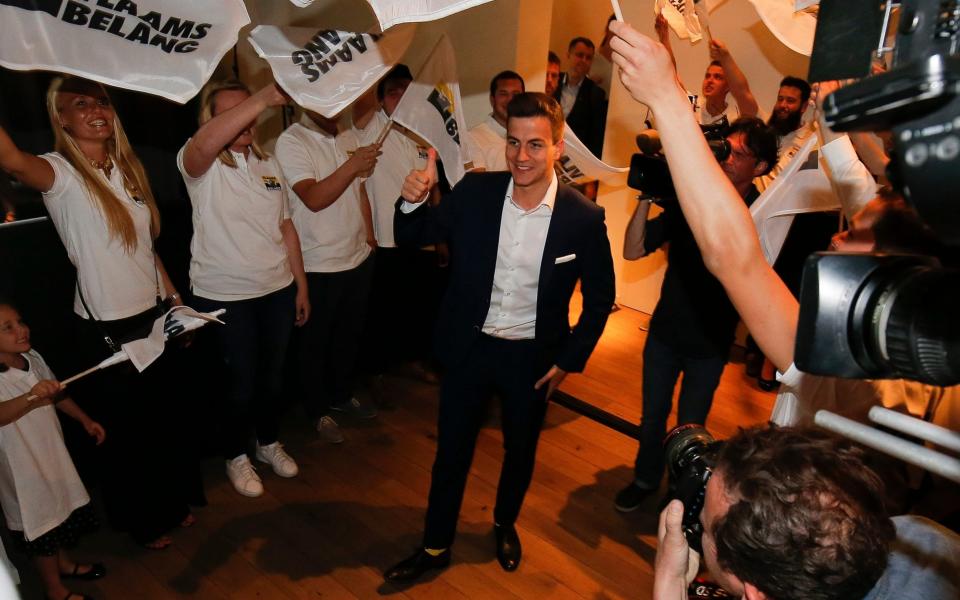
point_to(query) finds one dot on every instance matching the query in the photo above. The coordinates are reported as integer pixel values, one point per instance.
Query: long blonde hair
(119, 222)
(207, 98)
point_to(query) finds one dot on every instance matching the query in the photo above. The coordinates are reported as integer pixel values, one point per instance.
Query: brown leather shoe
(414, 566)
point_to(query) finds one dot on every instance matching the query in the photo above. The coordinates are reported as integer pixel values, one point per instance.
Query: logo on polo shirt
(271, 183)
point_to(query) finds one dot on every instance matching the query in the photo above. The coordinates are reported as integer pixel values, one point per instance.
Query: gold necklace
(105, 165)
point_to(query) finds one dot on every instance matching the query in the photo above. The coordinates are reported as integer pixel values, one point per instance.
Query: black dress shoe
(412, 567)
(96, 571)
(508, 547)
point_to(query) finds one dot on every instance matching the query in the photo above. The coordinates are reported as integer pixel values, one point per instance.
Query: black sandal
(97, 571)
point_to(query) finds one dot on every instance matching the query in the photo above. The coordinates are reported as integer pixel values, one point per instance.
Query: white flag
(391, 12)
(432, 109)
(795, 29)
(681, 17)
(801, 187)
(326, 70)
(164, 47)
(177, 320)
(302, 3)
(578, 165)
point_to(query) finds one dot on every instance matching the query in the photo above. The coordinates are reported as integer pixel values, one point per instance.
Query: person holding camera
(757, 519)
(693, 323)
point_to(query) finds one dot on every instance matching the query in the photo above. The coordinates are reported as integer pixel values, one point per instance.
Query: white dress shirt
(568, 96)
(523, 236)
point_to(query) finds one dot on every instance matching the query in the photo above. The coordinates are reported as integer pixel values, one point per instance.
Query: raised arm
(217, 133)
(736, 80)
(718, 218)
(317, 195)
(30, 170)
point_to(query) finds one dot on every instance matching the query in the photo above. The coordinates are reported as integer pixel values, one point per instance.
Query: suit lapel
(554, 233)
(491, 214)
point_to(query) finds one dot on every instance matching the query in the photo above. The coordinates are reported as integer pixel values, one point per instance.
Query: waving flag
(326, 70)
(164, 47)
(793, 27)
(391, 12)
(682, 18)
(801, 187)
(578, 165)
(432, 109)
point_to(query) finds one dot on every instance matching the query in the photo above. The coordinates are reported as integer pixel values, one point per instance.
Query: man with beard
(792, 100)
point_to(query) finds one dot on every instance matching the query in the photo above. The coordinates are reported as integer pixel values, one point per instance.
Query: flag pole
(616, 10)
(117, 358)
(385, 132)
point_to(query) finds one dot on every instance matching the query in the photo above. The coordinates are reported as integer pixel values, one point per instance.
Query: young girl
(43, 499)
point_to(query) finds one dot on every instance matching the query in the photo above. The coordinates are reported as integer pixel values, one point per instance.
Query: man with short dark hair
(693, 323)
(723, 76)
(552, 81)
(520, 242)
(787, 119)
(490, 136)
(584, 103)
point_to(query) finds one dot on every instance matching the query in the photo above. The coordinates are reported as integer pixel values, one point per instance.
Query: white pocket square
(563, 259)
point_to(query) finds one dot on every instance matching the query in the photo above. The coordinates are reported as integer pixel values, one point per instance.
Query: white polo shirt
(116, 283)
(237, 251)
(333, 239)
(490, 144)
(401, 154)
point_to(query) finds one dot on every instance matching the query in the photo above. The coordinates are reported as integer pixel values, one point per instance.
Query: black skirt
(65, 535)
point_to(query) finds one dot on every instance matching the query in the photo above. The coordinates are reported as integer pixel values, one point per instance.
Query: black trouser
(662, 365)
(148, 470)
(510, 369)
(408, 284)
(253, 344)
(330, 341)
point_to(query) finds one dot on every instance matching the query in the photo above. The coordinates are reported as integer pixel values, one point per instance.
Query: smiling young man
(520, 242)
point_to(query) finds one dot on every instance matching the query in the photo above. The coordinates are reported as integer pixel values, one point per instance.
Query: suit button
(476, 328)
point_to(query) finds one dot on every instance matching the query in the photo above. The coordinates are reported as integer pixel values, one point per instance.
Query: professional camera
(877, 316)
(649, 172)
(689, 452)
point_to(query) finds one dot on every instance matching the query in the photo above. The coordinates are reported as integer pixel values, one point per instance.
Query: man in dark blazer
(585, 106)
(519, 242)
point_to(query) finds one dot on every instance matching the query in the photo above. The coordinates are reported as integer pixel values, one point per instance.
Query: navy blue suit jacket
(469, 220)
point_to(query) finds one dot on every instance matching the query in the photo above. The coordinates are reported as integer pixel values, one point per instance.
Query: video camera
(891, 316)
(649, 173)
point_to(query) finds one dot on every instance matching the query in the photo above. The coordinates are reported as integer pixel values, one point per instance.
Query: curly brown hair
(808, 520)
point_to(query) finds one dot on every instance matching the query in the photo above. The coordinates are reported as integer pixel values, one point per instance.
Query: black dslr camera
(884, 316)
(689, 452)
(649, 173)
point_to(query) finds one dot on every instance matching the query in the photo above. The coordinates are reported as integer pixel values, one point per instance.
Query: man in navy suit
(519, 242)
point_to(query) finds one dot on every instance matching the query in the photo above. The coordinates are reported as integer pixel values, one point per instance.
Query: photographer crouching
(787, 513)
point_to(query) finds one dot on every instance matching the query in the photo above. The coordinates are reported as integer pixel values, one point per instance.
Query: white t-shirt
(39, 486)
(401, 154)
(333, 239)
(704, 117)
(115, 283)
(490, 144)
(237, 251)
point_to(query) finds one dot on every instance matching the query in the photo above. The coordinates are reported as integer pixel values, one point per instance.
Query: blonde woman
(245, 257)
(98, 197)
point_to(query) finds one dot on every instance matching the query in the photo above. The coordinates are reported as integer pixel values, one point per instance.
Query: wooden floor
(358, 507)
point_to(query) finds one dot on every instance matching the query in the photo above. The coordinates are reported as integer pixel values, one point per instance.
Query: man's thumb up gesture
(420, 181)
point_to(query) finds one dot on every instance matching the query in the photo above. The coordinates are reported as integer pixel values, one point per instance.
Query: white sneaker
(329, 430)
(275, 456)
(243, 477)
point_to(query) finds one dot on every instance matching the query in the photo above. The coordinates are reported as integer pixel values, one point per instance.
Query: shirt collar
(549, 198)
